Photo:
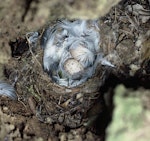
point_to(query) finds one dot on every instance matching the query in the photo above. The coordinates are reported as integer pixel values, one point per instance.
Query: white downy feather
(7, 90)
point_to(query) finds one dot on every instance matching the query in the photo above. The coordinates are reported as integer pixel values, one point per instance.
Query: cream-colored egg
(83, 55)
(72, 66)
(78, 51)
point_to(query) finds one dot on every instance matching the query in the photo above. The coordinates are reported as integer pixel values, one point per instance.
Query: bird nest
(49, 101)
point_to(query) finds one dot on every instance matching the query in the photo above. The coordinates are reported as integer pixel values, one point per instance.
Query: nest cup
(71, 59)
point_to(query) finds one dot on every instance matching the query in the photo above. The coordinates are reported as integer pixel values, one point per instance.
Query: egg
(83, 55)
(73, 67)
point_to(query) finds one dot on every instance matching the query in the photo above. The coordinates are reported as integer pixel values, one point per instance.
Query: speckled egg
(72, 66)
